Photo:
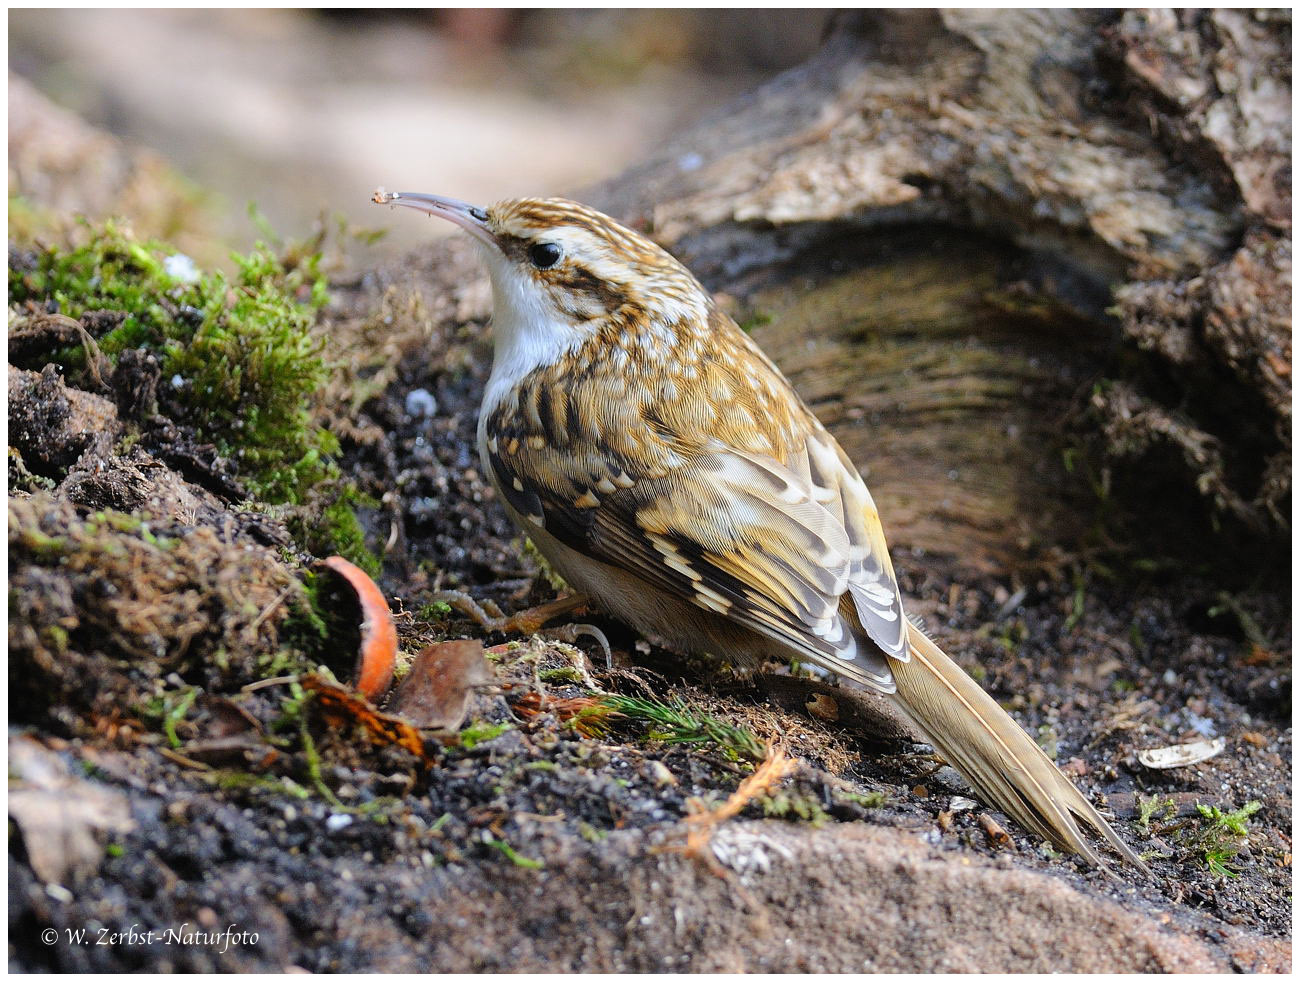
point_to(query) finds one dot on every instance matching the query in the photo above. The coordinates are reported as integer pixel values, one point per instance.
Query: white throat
(527, 332)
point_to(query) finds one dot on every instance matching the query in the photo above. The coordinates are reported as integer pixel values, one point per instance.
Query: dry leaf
(342, 707)
(63, 819)
(435, 695)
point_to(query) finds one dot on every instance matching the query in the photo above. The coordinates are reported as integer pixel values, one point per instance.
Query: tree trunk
(1033, 269)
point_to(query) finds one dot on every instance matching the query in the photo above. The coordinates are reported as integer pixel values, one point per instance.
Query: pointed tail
(990, 749)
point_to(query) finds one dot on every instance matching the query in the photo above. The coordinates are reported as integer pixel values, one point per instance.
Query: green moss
(312, 756)
(169, 709)
(43, 547)
(242, 363)
(305, 628)
(479, 732)
(1219, 838)
(793, 806)
(559, 676)
(1153, 808)
(230, 780)
(873, 799)
(333, 528)
(285, 660)
(242, 352)
(1231, 823)
(436, 611)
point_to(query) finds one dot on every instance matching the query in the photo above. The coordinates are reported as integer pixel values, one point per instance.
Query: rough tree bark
(988, 227)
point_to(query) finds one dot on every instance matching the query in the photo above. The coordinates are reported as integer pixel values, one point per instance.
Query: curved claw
(571, 632)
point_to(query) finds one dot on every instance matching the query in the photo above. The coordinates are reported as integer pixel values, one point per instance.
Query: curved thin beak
(469, 217)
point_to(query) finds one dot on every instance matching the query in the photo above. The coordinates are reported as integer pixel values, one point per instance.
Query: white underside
(527, 333)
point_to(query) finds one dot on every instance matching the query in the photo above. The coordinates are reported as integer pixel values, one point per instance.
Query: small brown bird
(669, 472)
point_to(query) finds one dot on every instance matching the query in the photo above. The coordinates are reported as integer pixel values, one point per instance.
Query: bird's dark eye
(544, 255)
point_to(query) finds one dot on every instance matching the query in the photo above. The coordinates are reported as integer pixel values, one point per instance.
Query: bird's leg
(489, 616)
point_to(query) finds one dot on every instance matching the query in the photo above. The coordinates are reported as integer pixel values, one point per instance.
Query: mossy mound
(104, 608)
(234, 366)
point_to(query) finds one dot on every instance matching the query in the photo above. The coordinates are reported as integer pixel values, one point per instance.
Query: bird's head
(563, 269)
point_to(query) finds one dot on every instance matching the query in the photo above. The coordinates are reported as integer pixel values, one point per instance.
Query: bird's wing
(778, 548)
(872, 584)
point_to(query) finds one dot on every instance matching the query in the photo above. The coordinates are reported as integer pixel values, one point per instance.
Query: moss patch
(240, 361)
(104, 608)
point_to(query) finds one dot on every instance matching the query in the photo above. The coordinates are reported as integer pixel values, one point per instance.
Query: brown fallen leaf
(435, 695)
(377, 653)
(63, 818)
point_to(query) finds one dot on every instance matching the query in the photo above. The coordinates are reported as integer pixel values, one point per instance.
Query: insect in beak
(471, 218)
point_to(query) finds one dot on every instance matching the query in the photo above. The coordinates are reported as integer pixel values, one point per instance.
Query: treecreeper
(672, 475)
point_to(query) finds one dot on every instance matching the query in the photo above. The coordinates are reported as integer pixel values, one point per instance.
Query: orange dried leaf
(342, 707)
(589, 715)
(528, 705)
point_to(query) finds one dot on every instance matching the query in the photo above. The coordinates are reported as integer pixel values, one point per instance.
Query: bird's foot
(490, 617)
(569, 633)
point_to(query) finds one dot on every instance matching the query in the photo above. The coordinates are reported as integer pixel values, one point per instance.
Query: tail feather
(1006, 767)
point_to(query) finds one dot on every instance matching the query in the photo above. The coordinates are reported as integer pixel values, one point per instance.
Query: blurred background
(305, 112)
